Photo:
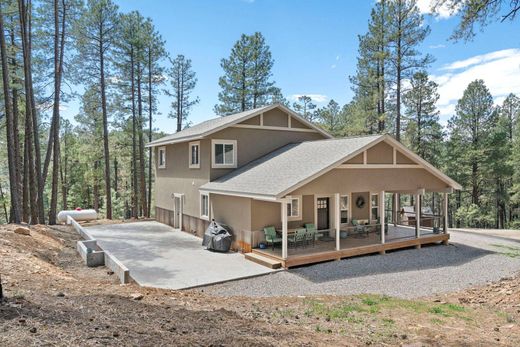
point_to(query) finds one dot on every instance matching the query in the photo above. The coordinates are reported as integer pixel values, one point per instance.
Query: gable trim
(268, 127)
(260, 111)
(393, 142)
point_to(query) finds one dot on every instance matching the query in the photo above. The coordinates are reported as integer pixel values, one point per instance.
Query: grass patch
(437, 321)
(508, 251)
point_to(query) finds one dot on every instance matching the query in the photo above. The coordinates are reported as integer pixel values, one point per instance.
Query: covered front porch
(350, 224)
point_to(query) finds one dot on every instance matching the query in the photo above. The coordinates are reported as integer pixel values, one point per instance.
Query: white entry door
(177, 208)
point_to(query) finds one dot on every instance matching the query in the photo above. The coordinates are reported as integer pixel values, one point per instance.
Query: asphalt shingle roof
(284, 168)
(202, 129)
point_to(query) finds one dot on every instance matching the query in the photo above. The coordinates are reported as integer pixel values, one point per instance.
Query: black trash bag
(217, 238)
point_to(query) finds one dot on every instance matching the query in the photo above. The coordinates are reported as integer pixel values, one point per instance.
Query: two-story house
(271, 167)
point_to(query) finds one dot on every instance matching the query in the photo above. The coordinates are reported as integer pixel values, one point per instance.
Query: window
(204, 206)
(224, 153)
(194, 155)
(161, 158)
(294, 207)
(374, 204)
(343, 206)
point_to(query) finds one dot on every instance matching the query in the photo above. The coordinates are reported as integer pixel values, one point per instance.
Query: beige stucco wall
(276, 118)
(255, 143)
(364, 212)
(400, 158)
(177, 177)
(233, 211)
(374, 180)
(251, 121)
(358, 159)
(382, 153)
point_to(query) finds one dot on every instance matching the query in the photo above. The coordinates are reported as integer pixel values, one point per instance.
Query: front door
(177, 214)
(323, 213)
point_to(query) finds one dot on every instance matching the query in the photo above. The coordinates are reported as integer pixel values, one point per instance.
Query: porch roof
(274, 174)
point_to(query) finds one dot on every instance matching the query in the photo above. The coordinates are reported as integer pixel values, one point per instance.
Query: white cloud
(437, 46)
(333, 66)
(338, 57)
(500, 71)
(443, 12)
(315, 97)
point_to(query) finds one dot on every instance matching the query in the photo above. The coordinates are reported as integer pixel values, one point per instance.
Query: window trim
(190, 146)
(374, 207)
(300, 207)
(202, 215)
(159, 150)
(214, 164)
(347, 209)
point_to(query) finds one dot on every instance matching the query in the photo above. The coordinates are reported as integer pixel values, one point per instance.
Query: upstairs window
(161, 158)
(194, 160)
(224, 153)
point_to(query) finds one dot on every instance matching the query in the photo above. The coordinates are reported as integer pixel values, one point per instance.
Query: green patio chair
(271, 237)
(312, 233)
(300, 236)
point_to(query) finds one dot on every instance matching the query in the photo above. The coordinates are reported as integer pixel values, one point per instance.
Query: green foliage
(182, 81)
(246, 83)
(477, 13)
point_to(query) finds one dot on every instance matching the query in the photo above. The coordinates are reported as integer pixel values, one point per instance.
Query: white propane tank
(78, 215)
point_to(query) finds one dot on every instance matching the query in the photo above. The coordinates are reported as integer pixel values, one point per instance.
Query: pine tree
(423, 131)
(305, 107)
(472, 123)
(246, 82)
(95, 36)
(182, 81)
(331, 118)
(407, 31)
(477, 13)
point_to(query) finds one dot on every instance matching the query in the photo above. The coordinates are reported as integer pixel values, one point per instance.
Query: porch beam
(283, 204)
(337, 218)
(379, 166)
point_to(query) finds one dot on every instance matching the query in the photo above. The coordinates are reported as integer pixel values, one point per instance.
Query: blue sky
(314, 45)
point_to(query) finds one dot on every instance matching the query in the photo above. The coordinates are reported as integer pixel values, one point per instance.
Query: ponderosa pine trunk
(106, 149)
(134, 139)
(13, 175)
(150, 124)
(59, 46)
(142, 177)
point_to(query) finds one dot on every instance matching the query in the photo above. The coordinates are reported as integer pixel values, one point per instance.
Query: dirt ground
(52, 299)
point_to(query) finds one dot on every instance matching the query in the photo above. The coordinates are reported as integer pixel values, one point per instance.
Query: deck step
(265, 261)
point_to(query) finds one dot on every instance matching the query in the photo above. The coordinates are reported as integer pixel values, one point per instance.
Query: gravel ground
(469, 260)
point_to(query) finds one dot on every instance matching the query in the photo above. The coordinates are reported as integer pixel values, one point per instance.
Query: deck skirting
(296, 260)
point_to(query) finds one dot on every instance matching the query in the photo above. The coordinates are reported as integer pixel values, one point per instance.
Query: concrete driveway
(158, 256)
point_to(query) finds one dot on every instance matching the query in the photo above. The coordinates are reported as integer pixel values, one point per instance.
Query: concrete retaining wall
(93, 255)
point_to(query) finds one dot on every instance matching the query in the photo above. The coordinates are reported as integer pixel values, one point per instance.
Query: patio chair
(271, 237)
(310, 235)
(310, 227)
(358, 228)
(298, 237)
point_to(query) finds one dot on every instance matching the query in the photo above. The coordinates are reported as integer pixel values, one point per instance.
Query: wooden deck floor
(397, 237)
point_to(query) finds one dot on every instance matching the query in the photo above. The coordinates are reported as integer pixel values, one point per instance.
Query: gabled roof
(213, 125)
(284, 170)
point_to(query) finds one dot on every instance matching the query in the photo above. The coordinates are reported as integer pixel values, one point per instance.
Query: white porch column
(337, 218)
(396, 209)
(417, 215)
(284, 229)
(382, 214)
(445, 203)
